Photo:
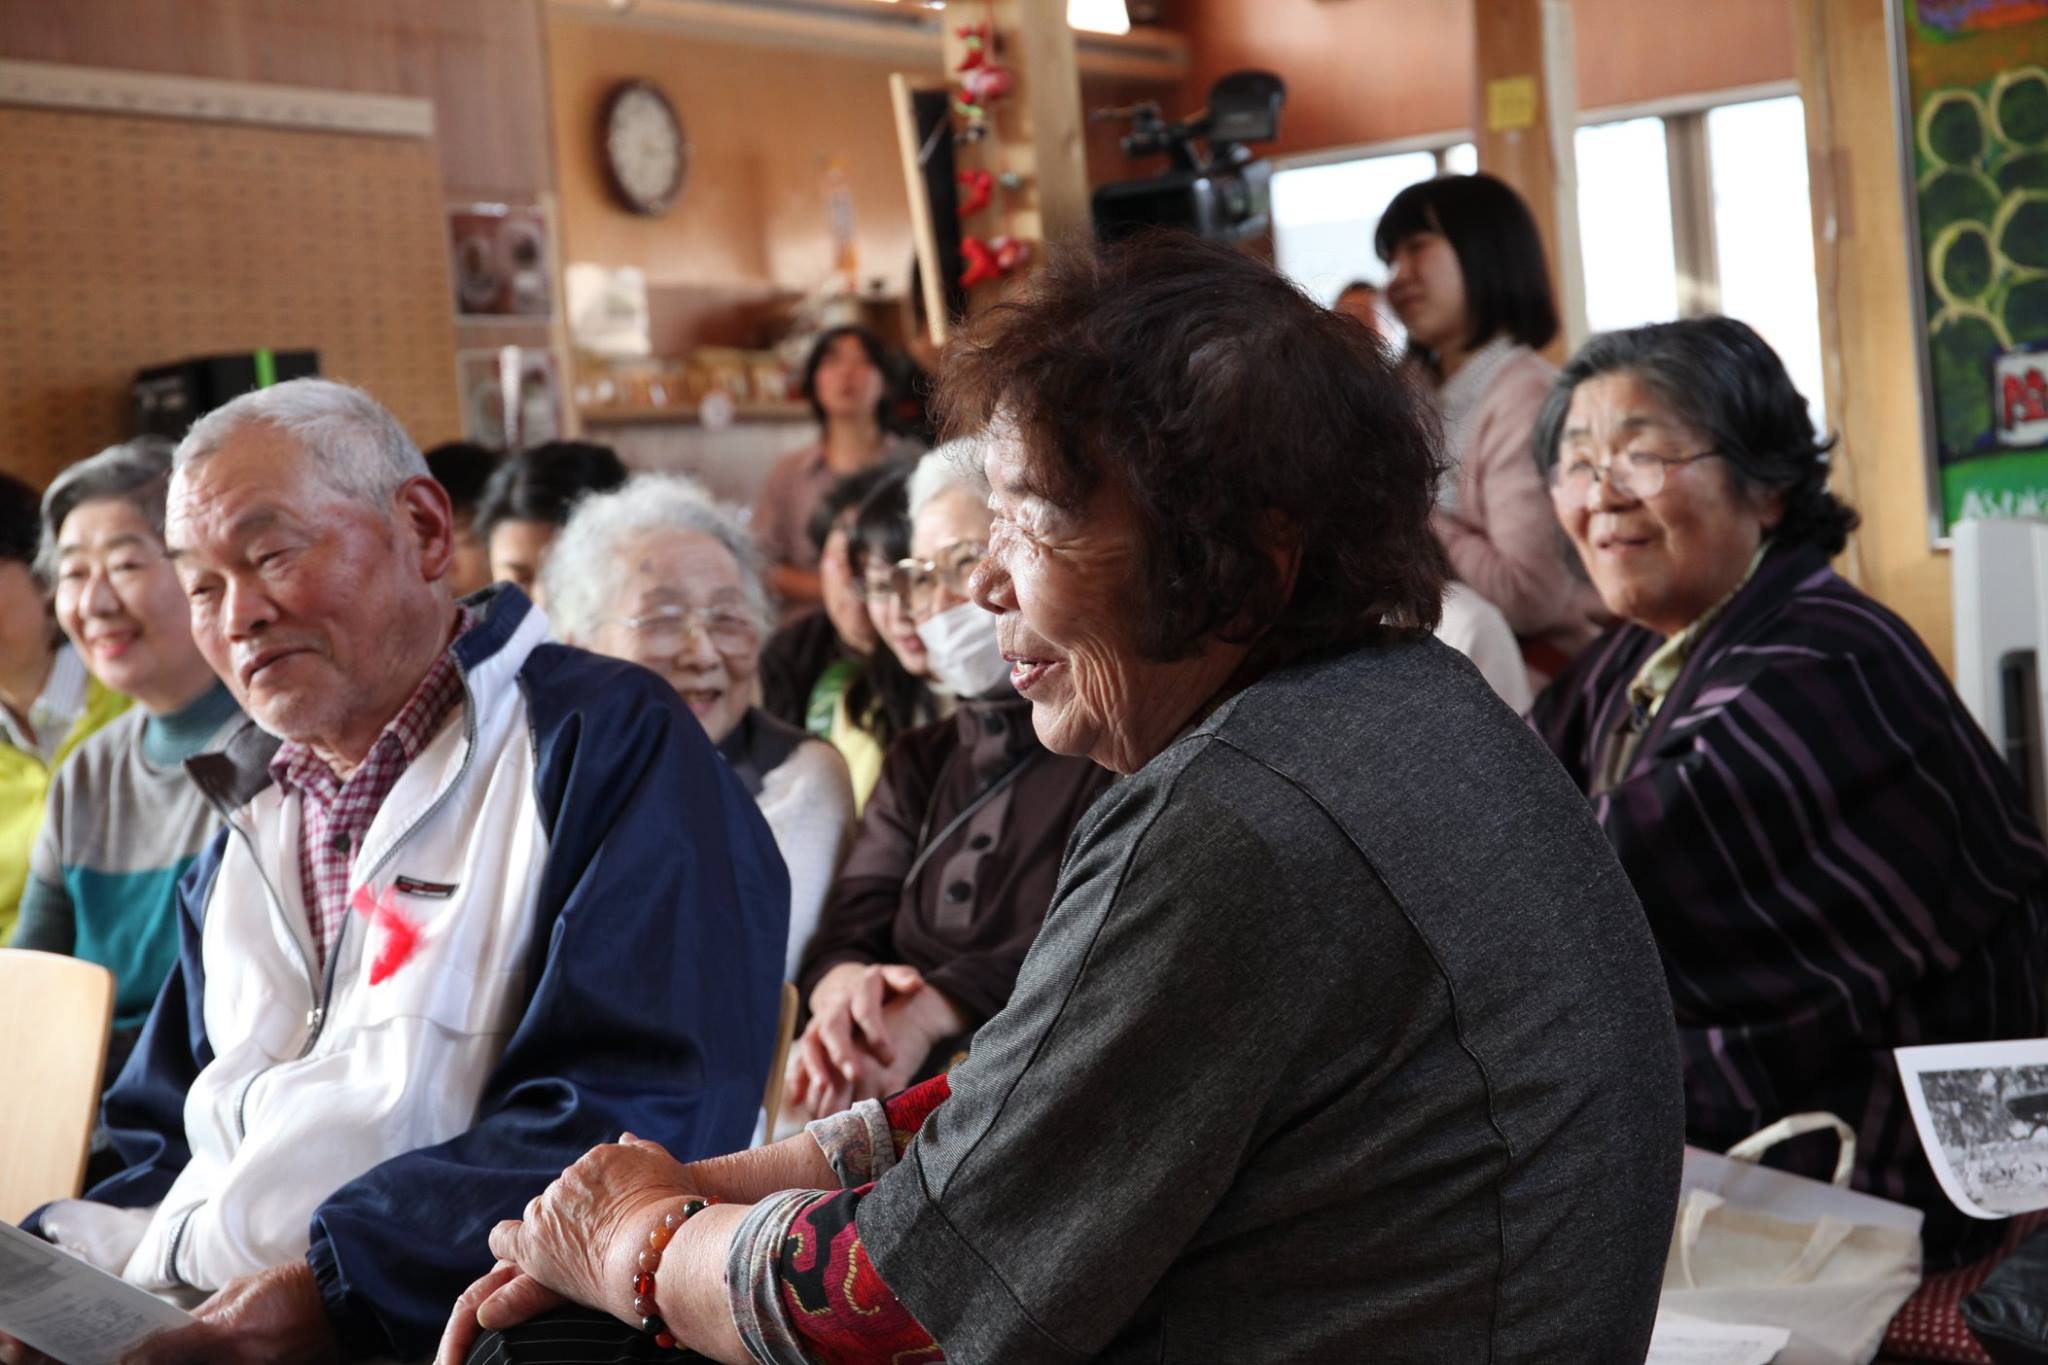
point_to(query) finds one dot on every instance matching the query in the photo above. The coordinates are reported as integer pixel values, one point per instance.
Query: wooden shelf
(687, 416)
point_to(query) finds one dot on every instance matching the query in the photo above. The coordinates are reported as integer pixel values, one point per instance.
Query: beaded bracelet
(658, 1238)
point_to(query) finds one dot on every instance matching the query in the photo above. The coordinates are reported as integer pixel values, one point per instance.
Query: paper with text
(69, 1310)
(1680, 1340)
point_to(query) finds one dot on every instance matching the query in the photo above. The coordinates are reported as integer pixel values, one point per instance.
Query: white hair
(355, 444)
(956, 464)
(580, 571)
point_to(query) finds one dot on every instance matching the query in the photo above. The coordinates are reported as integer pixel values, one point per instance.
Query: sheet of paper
(1680, 1340)
(1982, 1112)
(67, 1309)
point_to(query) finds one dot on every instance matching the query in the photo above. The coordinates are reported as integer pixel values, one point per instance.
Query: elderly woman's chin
(715, 708)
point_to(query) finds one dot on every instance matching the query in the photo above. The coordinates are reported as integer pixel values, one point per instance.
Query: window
(1324, 217)
(1763, 232)
(1679, 214)
(1631, 270)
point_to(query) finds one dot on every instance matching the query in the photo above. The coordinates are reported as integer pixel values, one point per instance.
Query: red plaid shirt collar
(337, 812)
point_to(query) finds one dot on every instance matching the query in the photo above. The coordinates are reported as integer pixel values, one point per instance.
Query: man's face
(309, 603)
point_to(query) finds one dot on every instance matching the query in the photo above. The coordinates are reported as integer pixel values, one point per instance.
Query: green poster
(1974, 84)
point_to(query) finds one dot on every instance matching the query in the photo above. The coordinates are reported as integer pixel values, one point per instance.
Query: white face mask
(966, 658)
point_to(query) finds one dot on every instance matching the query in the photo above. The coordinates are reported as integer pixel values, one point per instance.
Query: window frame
(1689, 172)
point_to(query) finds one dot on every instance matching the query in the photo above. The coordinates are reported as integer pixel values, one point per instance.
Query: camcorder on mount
(1214, 188)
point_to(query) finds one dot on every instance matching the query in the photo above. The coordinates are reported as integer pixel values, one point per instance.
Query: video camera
(1221, 193)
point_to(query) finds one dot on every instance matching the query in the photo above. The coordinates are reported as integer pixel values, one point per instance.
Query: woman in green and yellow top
(854, 679)
(49, 703)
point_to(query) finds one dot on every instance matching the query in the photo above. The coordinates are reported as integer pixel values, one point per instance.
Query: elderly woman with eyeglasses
(1833, 858)
(656, 573)
(944, 888)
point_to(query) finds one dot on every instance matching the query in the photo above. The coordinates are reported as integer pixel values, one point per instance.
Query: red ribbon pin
(401, 934)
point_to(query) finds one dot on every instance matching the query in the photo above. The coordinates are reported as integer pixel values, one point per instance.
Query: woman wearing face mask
(124, 819)
(656, 573)
(950, 875)
(1470, 285)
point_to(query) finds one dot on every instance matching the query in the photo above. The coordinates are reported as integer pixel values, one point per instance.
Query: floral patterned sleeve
(802, 1288)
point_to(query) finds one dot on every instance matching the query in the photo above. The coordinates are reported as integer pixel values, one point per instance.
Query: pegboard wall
(132, 241)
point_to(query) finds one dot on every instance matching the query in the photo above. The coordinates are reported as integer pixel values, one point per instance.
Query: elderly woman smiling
(1833, 859)
(1298, 1069)
(656, 573)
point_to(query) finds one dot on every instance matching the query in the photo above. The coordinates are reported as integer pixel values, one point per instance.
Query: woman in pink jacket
(1470, 285)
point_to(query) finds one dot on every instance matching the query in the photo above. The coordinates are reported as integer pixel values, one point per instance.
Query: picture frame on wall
(500, 261)
(1972, 103)
(511, 396)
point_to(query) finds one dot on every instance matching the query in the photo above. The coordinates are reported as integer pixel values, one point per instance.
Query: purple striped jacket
(1832, 858)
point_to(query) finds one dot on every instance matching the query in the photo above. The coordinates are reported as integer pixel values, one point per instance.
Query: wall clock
(645, 154)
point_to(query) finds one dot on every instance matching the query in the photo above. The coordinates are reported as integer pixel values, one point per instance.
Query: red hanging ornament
(986, 84)
(979, 185)
(975, 39)
(981, 263)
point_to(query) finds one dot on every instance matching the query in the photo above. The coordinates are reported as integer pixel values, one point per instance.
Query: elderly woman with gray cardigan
(1302, 1066)
(656, 573)
(124, 819)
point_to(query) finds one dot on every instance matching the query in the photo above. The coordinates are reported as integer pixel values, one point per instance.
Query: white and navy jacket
(600, 914)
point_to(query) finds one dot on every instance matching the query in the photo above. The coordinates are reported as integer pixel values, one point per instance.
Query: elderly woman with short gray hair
(124, 819)
(656, 573)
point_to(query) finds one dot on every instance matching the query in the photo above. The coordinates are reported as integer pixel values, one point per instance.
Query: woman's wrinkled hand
(581, 1238)
(518, 1297)
(861, 1041)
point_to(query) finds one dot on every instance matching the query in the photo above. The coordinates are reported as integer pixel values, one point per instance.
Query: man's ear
(427, 519)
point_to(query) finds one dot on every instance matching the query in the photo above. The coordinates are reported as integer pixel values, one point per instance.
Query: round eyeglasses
(669, 630)
(1634, 474)
(916, 582)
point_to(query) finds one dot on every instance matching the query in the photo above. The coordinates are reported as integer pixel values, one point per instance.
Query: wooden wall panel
(1629, 52)
(1866, 313)
(763, 125)
(1356, 70)
(479, 61)
(126, 242)
(1377, 70)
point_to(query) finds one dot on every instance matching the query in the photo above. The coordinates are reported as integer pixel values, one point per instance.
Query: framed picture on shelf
(500, 261)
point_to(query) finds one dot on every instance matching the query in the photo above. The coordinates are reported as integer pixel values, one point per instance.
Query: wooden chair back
(55, 1015)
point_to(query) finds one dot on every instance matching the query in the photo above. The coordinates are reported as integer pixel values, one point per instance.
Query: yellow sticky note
(1510, 103)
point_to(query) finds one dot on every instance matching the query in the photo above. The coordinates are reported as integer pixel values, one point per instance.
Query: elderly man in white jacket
(480, 902)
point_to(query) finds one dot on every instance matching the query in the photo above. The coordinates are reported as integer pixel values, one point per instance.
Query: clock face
(644, 151)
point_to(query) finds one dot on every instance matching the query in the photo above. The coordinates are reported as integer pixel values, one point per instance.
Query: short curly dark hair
(1230, 408)
(1718, 376)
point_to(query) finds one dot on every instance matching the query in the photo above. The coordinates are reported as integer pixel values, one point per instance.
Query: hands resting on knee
(872, 1026)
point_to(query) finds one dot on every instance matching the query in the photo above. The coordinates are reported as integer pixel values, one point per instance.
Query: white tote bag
(1756, 1245)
